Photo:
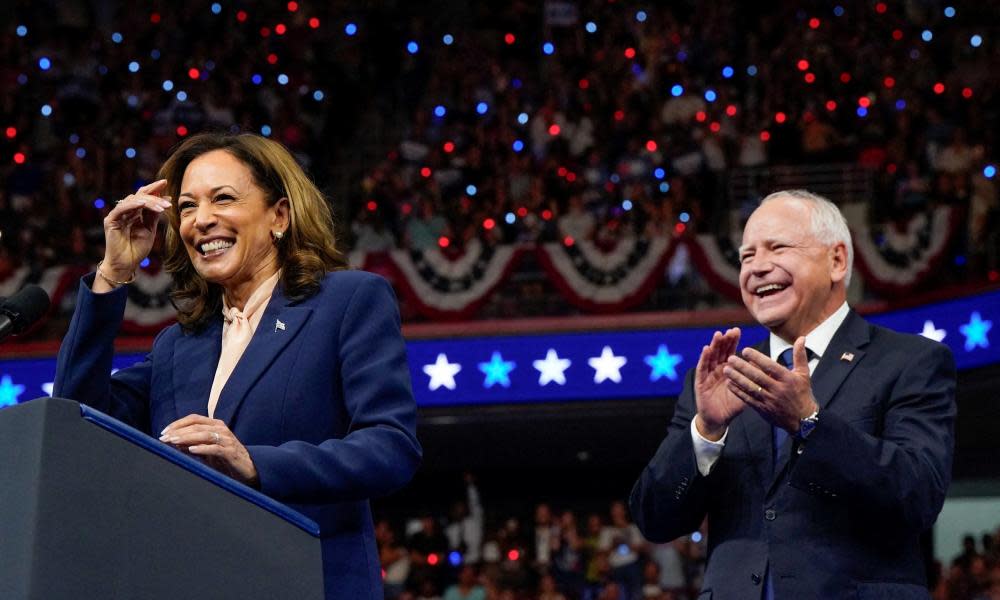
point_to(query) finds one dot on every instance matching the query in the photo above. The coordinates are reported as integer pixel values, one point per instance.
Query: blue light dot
(155, 54)
(46, 110)
(482, 107)
(413, 47)
(516, 83)
(752, 70)
(684, 217)
(22, 78)
(455, 558)
(710, 95)
(74, 138)
(615, 178)
(282, 79)
(627, 204)
(318, 95)
(129, 152)
(838, 10)
(696, 536)
(102, 69)
(976, 41)
(168, 85)
(727, 72)
(144, 263)
(989, 172)
(265, 130)
(862, 111)
(182, 96)
(510, 218)
(900, 104)
(257, 79)
(216, 8)
(471, 190)
(676, 90)
(133, 67)
(591, 27)
(209, 65)
(927, 35)
(69, 180)
(959, 260)
(448, 39)
(523, 118)
(682, 55)
(664, 187)
(81, 153)
(99, 203)
(21, 31)
(659, 173)
(548, 48)
(132, 100)
(949, 11)
(44, 63)
(116, 37)
(440, 111)
(641, 16)
(518, 145)
(350, 29)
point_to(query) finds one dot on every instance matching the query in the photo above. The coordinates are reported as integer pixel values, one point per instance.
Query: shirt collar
(818, 339)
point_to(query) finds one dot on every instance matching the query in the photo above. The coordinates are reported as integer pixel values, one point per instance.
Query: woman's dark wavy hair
(306, 253)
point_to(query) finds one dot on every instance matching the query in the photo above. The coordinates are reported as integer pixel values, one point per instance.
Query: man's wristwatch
(807, 424)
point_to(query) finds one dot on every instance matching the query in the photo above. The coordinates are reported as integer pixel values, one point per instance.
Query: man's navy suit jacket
(321, 399)
(840, 515)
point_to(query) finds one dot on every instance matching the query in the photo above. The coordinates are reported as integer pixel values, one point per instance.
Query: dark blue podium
(92, 508)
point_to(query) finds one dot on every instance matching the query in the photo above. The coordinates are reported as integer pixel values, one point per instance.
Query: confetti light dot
(257, 79)
(591, 27)
(489, 224)
(448, 147)
(482, 108)
(318, 95)
(584, 84)
(676, 90)
(949, 11)
(133, 67)
(21, 31)
(448, 39)
(630, 53)
(862, 111)
(194, 73)
(283, 79)
(509, 38)
(144, 263)
(216, 8)
(710, 95)
(897, 34)
(81, 153)
(425, 172)
(46, 110)
(900, 104)
(727, 72)
(117, 37)
(889, 82)
(864, 101)
(182, 96)
(831, 105)
(129, 152)
(764, 137)
(280, 29)
(845, 77)
(372, 206)
(440, 111)
(548, 48)
(182, 130)
(976, 41)
(967, 93)
(11, 132)
(780, 117)
(44, 63)
(731, 110)
(927, 35)
(154, 54)
(99, 203)
(619, 115)
(651, 146)
(314, 23)
(701, 116)
(523, 118)
(265, 31)
(752, 70)
(413, 47)
(350, 29)
(814, 23)
(292, 6)
(554, 130)
(880, 8)
(715, 127)
(74, 138)
(471, 190)
(265, 130)
(989, 171)
(659, 173)
(168, 85)
(19, 158)
(641, 16)
(522, 212)
(518, 145)
(838, 11)
(803, 65)
(939, 88)
(272, 58)
(626, 204)
(509, 218)
(809, 77)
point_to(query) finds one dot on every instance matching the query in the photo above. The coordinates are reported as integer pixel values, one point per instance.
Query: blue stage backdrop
(606, 365)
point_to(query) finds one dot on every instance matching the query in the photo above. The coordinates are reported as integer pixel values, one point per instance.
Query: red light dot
(889, 82)
(629, 52)
(568, 240)
(680, 228)
(314, 23)
(831, 105)
(444, 243)
(241, 16)
(432, 559)
(845, 77)
(448, 147)
(425, 172)
(967, 92)
(561, 171)
(880, 8)
(803, 65)
(280, 29)
(780, 117)
(731, 110)
(293, 6)
(547, 214)
(619, 115)
(182, 130)
(651, 146)
(272, 58)
(939, 88)
(12, 131)
(513, 555)
(489, 224)
(193, 73)
(765, 135)
(897, 34)
(571, 177)
(700, 116)
(509, 38)
(554, 129)
(154, 18)
(19, 158)
(584, 84)
(264, 32)
(890, 168)
(864, 102)
(716, 127)
(407, 208)
(810, 78)
(814, 23)
(994, 275)
(371, 206)
(522, 212)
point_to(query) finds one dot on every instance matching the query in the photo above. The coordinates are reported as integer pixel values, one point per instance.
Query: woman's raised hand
(130, 229)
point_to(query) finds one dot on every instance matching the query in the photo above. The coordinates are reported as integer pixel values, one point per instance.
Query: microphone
(21, 310)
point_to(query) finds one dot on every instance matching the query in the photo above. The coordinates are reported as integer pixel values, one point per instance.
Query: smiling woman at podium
(285, 371)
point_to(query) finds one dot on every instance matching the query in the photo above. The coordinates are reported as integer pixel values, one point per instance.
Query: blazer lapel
(196, 357)
(277, 328)
(758, 433)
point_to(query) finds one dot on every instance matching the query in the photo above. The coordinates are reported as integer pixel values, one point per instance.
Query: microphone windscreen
(25, 307)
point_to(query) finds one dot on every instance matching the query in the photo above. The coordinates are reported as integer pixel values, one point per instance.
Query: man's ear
(838, 262)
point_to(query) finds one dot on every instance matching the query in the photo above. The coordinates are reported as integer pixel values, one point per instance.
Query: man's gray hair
(828, 224)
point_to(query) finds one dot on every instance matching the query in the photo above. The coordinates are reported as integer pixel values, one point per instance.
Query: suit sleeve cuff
(706, 452)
